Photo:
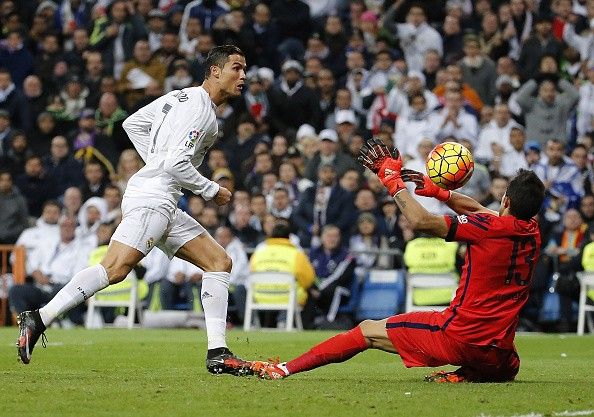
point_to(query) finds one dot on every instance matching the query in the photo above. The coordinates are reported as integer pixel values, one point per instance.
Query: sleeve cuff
(452, 222)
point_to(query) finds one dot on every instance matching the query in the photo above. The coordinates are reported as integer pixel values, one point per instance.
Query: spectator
(210, 219)
(92, 77)
(109, 117)
(242, 229)
(509, 161)
(399, 100)
(453, 39)
(90, 216)
(156, 25)
(80, 47)
(95, 180)
(176, 286)
(585, 116)
(281, 206)
(242, 146)
(18, 152)
(14, 102)
(413, 127)
(46, 60)
(56, 263)
(189, 37)
(491, 39)
(61, 167)
(518, 27)
(562, 180)
(90, 144)
(495, 133)
(168, 53)
(479, 183)
(431, 255)
(416, 36)
(587, 208)
(129, 164)
(564, 248)
(294, 26)
(334, 268)
(46, 229)
(115, 34)
(453, 120)
(180, 78)
(546, 114)
(35, 97)
(324, 203)
(478, 70)
(454, 73)
(207, 11)
(262, 166)
(496, 193)
(239, 271)
(540, 44)
(278, 254)
(16, 58)
(291, 103)
(329, 154)
(264, 31)
(350, 180)
(13, 210)
(368, 238)
(34, 185)
(138, 72)
(431, 64)
(113, 197)
(72, 200)
(583, 42)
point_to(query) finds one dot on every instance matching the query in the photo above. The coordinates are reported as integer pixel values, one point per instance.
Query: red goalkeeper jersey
(495, 279)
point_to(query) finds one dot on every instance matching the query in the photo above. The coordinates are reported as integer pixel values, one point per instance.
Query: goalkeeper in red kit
(476, 331)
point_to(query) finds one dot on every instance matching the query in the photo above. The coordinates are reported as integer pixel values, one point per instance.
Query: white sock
(82, 286)
(214, 295)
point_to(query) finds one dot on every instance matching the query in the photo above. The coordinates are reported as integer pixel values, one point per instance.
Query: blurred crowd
(511, 80)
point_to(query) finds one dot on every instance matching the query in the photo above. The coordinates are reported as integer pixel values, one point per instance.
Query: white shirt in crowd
(492, 133)
(172, 134)
(399, 105)
(409, 132)
(467, 126)
(511, 162)
(241, 266)
(179, 265)
(33, 239)
(585, 115)
(60, 261)
(156, 264)
(416, 41)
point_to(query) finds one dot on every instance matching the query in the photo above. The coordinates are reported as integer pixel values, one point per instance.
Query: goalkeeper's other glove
(424, 186)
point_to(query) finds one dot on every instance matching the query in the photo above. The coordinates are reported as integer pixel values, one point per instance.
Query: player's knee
(117, 273)
(222, 264)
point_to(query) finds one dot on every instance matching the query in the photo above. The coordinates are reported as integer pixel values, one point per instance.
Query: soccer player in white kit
(172, 134)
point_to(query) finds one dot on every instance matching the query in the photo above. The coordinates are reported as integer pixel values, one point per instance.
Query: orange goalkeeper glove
(387, 166)
(424, 186)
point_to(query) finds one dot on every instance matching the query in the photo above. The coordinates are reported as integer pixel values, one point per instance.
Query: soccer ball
(449, 165)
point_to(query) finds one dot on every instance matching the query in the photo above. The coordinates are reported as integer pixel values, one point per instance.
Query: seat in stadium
(446, 281)
(272, 291)
(382, 294)
(586, 290)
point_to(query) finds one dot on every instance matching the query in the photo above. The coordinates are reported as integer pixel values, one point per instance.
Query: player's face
(232, 76)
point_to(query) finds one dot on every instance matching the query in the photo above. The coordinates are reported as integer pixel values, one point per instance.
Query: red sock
(336, 349)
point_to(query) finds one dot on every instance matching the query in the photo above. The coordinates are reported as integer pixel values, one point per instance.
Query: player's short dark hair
(281, 230)
(218, 55)
(526, 193)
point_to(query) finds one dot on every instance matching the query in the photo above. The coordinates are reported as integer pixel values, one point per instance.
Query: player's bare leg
(204, 252)
(117, 264)
(370, 334)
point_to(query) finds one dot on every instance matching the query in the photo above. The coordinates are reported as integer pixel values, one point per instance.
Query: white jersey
(172, 134)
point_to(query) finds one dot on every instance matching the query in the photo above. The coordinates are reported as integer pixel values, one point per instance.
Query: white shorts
(144, 227)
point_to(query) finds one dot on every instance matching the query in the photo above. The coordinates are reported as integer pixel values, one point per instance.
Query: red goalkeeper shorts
(419, 340)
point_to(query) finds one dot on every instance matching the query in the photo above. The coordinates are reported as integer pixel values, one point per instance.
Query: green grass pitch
(121, 373)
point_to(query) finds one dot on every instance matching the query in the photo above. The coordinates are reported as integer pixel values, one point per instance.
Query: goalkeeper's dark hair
(526, 193)
(219, 55)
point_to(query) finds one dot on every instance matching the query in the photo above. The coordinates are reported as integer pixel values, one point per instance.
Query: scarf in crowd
(289, 91)
(107, 124)
(5, 93)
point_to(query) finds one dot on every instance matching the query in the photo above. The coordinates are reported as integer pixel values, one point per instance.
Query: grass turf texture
(162, 373)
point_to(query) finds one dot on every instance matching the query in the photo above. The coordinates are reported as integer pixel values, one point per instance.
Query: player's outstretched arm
(388, 167)
(460, 203)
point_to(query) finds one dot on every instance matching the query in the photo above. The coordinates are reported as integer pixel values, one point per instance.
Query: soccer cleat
(223, 361)
(267, 370)
(445, 377)
(30, 329)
